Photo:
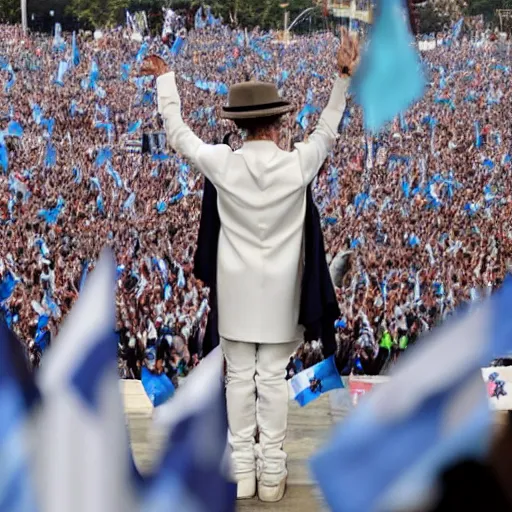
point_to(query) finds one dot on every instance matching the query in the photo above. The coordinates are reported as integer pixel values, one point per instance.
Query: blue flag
(159, 388)
(7, 286)
(50, 158)
(63, 67)
(457, 29)
(141, 54)
(75, 52)
(4, 157)
(104, 155)
(178, 46)
(192, 468)
(133, 127)
(125, 72)
(14, 129)
(311, 383)
(478, 137)
(18, 398)
(430, 415)
(390, 76)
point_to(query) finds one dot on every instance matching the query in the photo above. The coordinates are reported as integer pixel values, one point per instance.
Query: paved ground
(308, 427)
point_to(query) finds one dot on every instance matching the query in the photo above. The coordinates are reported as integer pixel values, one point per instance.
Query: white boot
(246, 487)
(271, 493)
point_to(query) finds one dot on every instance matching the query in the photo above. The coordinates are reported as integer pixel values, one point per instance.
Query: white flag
(82, 454)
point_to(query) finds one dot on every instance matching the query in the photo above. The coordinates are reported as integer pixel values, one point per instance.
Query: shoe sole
(279, 497)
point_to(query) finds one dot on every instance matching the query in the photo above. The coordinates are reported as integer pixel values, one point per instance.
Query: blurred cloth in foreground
(431, 415)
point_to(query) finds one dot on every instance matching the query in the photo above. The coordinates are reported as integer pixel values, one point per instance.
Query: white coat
(262, 206)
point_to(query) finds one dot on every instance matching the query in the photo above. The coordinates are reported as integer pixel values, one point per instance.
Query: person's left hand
(153, 66)
(348, 54)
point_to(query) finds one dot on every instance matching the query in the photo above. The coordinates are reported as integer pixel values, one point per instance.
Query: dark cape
(318, 305)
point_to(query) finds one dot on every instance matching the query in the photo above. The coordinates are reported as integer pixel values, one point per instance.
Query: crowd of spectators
(420, 214)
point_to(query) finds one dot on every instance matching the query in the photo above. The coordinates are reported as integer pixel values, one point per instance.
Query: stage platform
(308, 428)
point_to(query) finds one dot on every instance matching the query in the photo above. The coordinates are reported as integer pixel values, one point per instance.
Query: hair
(258, 127)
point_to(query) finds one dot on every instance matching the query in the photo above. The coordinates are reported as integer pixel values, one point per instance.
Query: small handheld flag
(309, 384)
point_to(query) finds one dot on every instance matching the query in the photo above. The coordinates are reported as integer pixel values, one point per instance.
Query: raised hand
(153, 66)
(348, 54)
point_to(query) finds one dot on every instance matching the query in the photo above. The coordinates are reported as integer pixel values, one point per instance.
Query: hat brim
(238, 113)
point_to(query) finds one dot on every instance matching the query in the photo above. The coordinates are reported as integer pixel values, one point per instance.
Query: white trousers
(257, 404)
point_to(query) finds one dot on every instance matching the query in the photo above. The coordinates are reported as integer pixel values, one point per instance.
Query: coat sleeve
(312, 154)
(181, 138)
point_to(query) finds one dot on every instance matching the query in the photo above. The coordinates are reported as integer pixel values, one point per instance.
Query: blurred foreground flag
(390, 76)
(194, 470)
(433, 413)
(159, 388)
(309, 384)
(19, 398)
(82, 458)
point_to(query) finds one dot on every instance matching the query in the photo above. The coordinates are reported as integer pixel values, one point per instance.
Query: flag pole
(24, 18)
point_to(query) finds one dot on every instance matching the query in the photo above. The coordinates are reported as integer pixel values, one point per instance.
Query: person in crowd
(423, 208)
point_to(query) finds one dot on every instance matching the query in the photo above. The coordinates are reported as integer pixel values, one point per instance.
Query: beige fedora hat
(251, 100)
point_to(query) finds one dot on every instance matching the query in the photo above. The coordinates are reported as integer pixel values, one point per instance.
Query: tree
(487, 7)
(431, 20)
(266, 14)
(10, 11)
(99, 13)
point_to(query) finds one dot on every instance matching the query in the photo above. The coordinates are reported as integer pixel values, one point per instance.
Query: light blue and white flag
(82, 457)
(19, 399)
(75, 53)
(457, 28)
(63, 67)
(390, 76)
(431, 414)
(313, 382)
(194, 470)
(14, 129)
(59, 45)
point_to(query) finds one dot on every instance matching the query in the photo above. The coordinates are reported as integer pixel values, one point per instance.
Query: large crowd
(421, 211)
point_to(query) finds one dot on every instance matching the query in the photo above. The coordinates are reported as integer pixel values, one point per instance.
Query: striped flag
(18, 400)
(82, 459)
(194, 469)
(433, 413)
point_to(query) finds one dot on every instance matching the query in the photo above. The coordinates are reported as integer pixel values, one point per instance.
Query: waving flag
(313, 382)
(457, 28)
(4, 157)
(104, 155)
(75, 52)
(77, 175)
(178, 45)
(159, 388)
(11, 79)
(125, 72)
(63, 67)
(302, 116)
(429, 416)
(115, 175)
(130, 202)
(133, 127)
(82, 458)
(7, 286)
(59, 45)
(141, 54)
(14, 129)
(198, 19)
(390, 77)
(194, 468)
(18, 400)
(50, 158)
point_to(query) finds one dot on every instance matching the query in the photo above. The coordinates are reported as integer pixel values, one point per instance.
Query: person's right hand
(153, 66)
(348, 54)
